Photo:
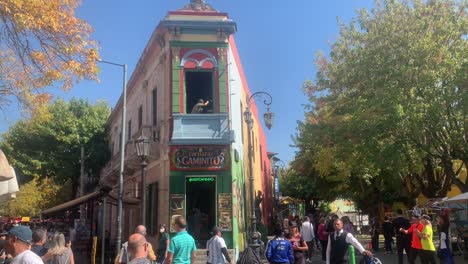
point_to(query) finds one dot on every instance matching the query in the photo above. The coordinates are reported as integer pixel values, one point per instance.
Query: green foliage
(47, 145)
(389, 105)
(35, 196)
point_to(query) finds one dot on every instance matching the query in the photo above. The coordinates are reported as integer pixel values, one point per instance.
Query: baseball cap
(425, 216)
(23, 233)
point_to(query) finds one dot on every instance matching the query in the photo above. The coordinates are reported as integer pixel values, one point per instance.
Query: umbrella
(9, 188)
(5, 169)
(457, 199)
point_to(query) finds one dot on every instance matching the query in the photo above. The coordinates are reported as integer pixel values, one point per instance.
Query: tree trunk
(448, 168)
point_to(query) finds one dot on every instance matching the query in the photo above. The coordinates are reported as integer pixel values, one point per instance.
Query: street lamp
(142, 148)
(278, 164)
(122, 152)
(268, 118)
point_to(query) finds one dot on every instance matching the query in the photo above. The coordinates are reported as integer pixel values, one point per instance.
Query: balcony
(200, 129)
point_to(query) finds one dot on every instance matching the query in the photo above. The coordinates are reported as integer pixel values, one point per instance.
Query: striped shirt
(182, 245)
(215, 244)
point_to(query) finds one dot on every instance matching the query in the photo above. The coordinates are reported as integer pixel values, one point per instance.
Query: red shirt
(416, 242)
(322, 234)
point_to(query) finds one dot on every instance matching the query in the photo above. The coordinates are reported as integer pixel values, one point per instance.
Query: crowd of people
(21, 245)
(416, 238)
(296, 241)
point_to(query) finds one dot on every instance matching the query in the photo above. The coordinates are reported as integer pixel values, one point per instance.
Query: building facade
(198, 165)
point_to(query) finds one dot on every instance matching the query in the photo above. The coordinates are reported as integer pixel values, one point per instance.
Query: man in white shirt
(307, 234)
(217, 250)
(338, 243)
(18, 242)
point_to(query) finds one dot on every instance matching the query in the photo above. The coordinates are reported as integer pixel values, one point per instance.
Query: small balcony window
(199, 90)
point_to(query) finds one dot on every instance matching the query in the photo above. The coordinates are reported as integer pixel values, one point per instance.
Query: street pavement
(385, 259)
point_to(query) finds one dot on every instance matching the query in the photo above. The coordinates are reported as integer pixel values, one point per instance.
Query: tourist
(124, 256)
(298, 244)
(416, 246)
(39, 238)
(323, 237)
(428, 254)
(163, 245)
(58, 253)
(444, 253)
(402, 240)
(279, 249)
(217, 249)
(17, 244)
(182, 247)
(387, 228)
(137, 249)
(307, 234)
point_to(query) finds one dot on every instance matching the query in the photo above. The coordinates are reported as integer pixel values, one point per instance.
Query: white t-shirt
(27, 257)
(214, 245)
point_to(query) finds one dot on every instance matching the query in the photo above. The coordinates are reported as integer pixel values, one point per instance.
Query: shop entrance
(201, 207)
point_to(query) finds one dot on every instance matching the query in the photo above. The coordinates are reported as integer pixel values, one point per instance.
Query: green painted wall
(175, 85)
(222, 69)
(223, 185)
(238, 206)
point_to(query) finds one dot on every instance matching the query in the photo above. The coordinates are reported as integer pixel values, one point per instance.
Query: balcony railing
(195, 129)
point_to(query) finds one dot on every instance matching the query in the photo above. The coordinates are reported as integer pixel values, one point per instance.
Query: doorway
(201, 207)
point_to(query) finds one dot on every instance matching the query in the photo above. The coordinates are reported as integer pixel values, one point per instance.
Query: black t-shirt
(39, 250)
(400, 222)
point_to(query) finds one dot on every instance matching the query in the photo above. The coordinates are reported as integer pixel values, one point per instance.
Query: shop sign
(200, 158)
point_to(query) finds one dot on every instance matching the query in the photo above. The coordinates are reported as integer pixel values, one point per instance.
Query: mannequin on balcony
(199, 107)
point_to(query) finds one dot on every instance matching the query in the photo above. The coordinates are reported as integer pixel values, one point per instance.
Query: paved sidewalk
(386, 259)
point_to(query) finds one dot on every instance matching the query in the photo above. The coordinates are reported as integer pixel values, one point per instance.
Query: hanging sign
(200, 157)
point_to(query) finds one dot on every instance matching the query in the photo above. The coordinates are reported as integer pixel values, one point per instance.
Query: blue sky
(277, 41)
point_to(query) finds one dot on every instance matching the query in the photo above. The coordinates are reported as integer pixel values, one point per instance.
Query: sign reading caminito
(200, 157)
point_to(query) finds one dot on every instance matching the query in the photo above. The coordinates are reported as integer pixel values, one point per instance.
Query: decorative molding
(160, 40)
(221, 54)
(198, 6)
(175, 54)
(209, 57)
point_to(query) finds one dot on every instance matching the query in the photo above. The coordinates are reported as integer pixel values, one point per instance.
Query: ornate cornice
(198, 6)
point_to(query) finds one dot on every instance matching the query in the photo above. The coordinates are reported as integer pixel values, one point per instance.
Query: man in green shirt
(182, 247)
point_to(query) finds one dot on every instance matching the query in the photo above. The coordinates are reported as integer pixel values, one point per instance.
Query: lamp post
(122, 152)
(278, 165)
(268, 117)
(142, 147)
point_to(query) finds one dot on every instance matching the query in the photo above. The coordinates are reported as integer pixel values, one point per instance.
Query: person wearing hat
(163, 245)
(216, 248)
(416, 246)
(18, 242)
(428, 253)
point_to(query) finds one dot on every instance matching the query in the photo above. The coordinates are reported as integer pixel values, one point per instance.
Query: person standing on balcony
(199, 107)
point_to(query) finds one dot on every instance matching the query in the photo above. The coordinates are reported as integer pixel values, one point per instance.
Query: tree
(36, 196)
(42, 43)
(48, 144)
(390, 103)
